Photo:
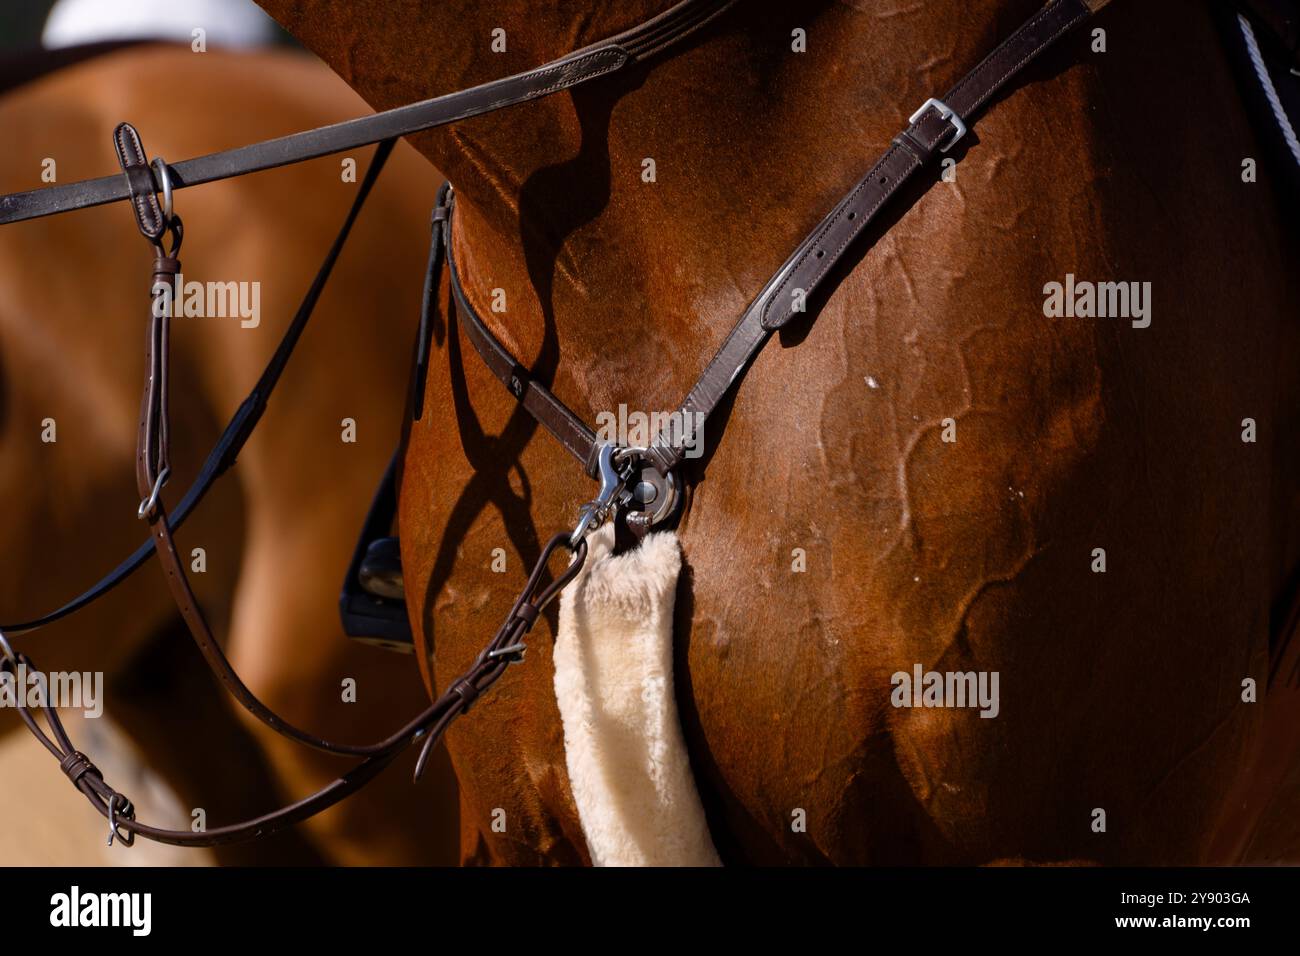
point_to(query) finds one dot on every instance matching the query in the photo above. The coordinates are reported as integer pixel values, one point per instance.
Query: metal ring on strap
(164, 177)
(649, 485)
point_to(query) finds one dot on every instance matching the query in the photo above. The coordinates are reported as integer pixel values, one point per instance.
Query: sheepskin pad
(623, 744)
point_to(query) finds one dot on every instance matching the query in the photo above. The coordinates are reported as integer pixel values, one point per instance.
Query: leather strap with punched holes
(935, 128)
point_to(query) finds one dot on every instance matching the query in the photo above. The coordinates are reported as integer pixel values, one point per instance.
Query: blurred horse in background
(277, 531)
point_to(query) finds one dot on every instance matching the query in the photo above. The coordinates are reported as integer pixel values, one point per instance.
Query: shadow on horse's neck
(751, 138)
(585, 181)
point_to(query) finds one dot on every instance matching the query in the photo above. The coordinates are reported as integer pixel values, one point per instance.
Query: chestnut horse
(278, 530)
(1098, 533)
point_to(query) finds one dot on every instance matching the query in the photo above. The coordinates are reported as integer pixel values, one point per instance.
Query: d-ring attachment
(654, 491)
(171, 221)
(628, 452)
(150, 504)
(164, 176)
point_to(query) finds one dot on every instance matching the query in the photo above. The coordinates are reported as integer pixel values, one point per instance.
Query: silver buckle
(945, 113)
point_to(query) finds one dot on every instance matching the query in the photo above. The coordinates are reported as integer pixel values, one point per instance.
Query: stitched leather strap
(807, 267)
(802, 274)
(505, 648)
(607, 56)
(139, 182)
(744, 341)
(552, 414)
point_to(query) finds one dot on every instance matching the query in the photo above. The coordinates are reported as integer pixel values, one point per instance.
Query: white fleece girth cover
(624, 748)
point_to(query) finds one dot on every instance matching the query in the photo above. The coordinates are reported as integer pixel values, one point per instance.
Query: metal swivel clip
(612, 493)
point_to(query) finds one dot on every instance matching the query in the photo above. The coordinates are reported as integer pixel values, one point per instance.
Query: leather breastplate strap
(606, 56)
(933, 129)
(552, 414)
(140, 184)
(640, 513)
(505, 648)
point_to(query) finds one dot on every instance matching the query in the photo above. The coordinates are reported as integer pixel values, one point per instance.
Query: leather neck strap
(607, 56)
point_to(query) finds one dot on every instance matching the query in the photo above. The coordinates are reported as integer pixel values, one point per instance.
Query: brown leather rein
(934, 128)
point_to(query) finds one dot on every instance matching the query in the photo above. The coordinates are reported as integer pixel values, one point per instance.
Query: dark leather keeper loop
(139, 182)
(76, 765)
(592, 464)
(466, 691)
(664, 457)
(527, 613)
(914, 146)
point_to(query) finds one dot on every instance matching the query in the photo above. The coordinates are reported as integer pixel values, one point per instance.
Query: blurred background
(30, 24)
(21, 22)
(63, 832)
(70, 70)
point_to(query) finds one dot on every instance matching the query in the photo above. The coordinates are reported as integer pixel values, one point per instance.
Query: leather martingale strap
(139, 185)
(505, 648)
(240, 427)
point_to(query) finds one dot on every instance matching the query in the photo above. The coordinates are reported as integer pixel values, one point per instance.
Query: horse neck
(639, 218)
(649, 207)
